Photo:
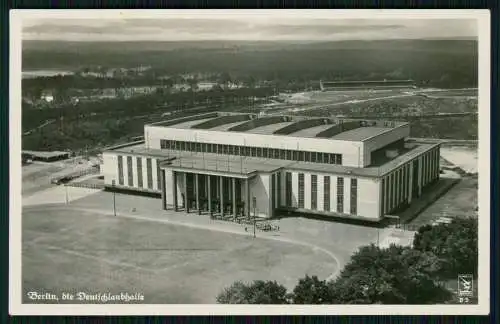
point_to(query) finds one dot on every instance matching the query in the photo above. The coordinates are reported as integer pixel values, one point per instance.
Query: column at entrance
(233, 185)
(221, 195)
(197, 192)
(174, 190)
(247, 198)
(209, 191)
(186, 198)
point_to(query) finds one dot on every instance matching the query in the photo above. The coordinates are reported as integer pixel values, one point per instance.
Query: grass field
(70, 251)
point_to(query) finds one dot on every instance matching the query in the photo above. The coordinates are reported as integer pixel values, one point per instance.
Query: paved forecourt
(171, 257)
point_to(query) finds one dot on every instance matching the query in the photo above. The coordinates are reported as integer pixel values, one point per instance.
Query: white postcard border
(16, 307)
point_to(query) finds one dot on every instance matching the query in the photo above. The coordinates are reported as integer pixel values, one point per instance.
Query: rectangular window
(130, 171)
(254, 151)
(301, 190)
(339, 159)
(307, 156)
(149, 173)
(340, 194)
(139, 172)
(219, 148)
(383, 196)
(301, 156)
(158, 174)
(259, 152)
(120, 170)
(401, 184)
(276, 154)
(314, 192)
(295, 155)
(288, 189)
(237, 150)
(247, 151)
(326, 193)
(183, 146)
(288, 155)
(279, 187)
(282, 155)
(386, 195)
(320, 158)
(198, 147)
(354, 196)
(225, 149)
(331, 158)
(265, 152)
(313, 156)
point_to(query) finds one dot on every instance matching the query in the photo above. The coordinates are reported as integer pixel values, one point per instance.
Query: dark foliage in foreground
(454, 243)
(257, 292)
(394, 275)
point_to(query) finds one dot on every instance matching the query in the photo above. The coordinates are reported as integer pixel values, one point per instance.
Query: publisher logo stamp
(465, 287)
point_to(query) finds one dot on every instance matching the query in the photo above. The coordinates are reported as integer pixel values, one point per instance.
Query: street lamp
(114, 197)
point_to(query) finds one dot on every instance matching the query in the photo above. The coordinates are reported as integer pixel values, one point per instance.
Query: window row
(264, 152)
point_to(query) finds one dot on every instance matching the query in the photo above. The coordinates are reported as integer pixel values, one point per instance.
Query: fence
(73, 175)
(85, 185)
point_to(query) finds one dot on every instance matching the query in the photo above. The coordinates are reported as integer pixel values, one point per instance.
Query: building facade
(240, 165)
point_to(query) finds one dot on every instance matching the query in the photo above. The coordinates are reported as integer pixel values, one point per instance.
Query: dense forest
(440, 63)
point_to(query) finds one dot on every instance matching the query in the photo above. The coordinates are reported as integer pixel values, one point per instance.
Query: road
(411, 93)
(323, 106)
(48, 122)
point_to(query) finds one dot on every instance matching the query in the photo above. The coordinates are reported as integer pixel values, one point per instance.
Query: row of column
(208, 179)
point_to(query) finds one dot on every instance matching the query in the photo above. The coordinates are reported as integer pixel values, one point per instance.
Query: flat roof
(360, 133)
(226, 127)
(245, 165)
(269, 129)
(190, 123)
(310, 132)
(45, 154)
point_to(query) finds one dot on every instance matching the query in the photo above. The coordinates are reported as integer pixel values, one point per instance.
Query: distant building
(359, 85)
(204, 86)
(246, 163)
(47, 96)
(44, 156)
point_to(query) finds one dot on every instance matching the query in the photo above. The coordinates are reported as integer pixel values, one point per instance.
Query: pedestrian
(246, 229)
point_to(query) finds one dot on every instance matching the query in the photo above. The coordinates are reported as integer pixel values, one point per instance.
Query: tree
(311, 290)
(454, 243)
(193, 84)
(258, 292)
(396, 275)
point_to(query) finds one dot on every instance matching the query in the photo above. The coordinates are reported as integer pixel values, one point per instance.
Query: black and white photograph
(249, 162)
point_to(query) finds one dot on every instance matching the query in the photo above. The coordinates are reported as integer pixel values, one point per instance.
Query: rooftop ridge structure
(284, 125)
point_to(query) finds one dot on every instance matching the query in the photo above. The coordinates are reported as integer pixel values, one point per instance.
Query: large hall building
(240, 165)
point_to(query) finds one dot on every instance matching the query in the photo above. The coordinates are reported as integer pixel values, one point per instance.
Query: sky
(240, 25)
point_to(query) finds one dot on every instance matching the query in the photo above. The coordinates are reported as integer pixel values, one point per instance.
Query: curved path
(214, 226)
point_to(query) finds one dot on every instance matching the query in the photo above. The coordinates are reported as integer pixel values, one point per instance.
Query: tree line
(450, 64)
